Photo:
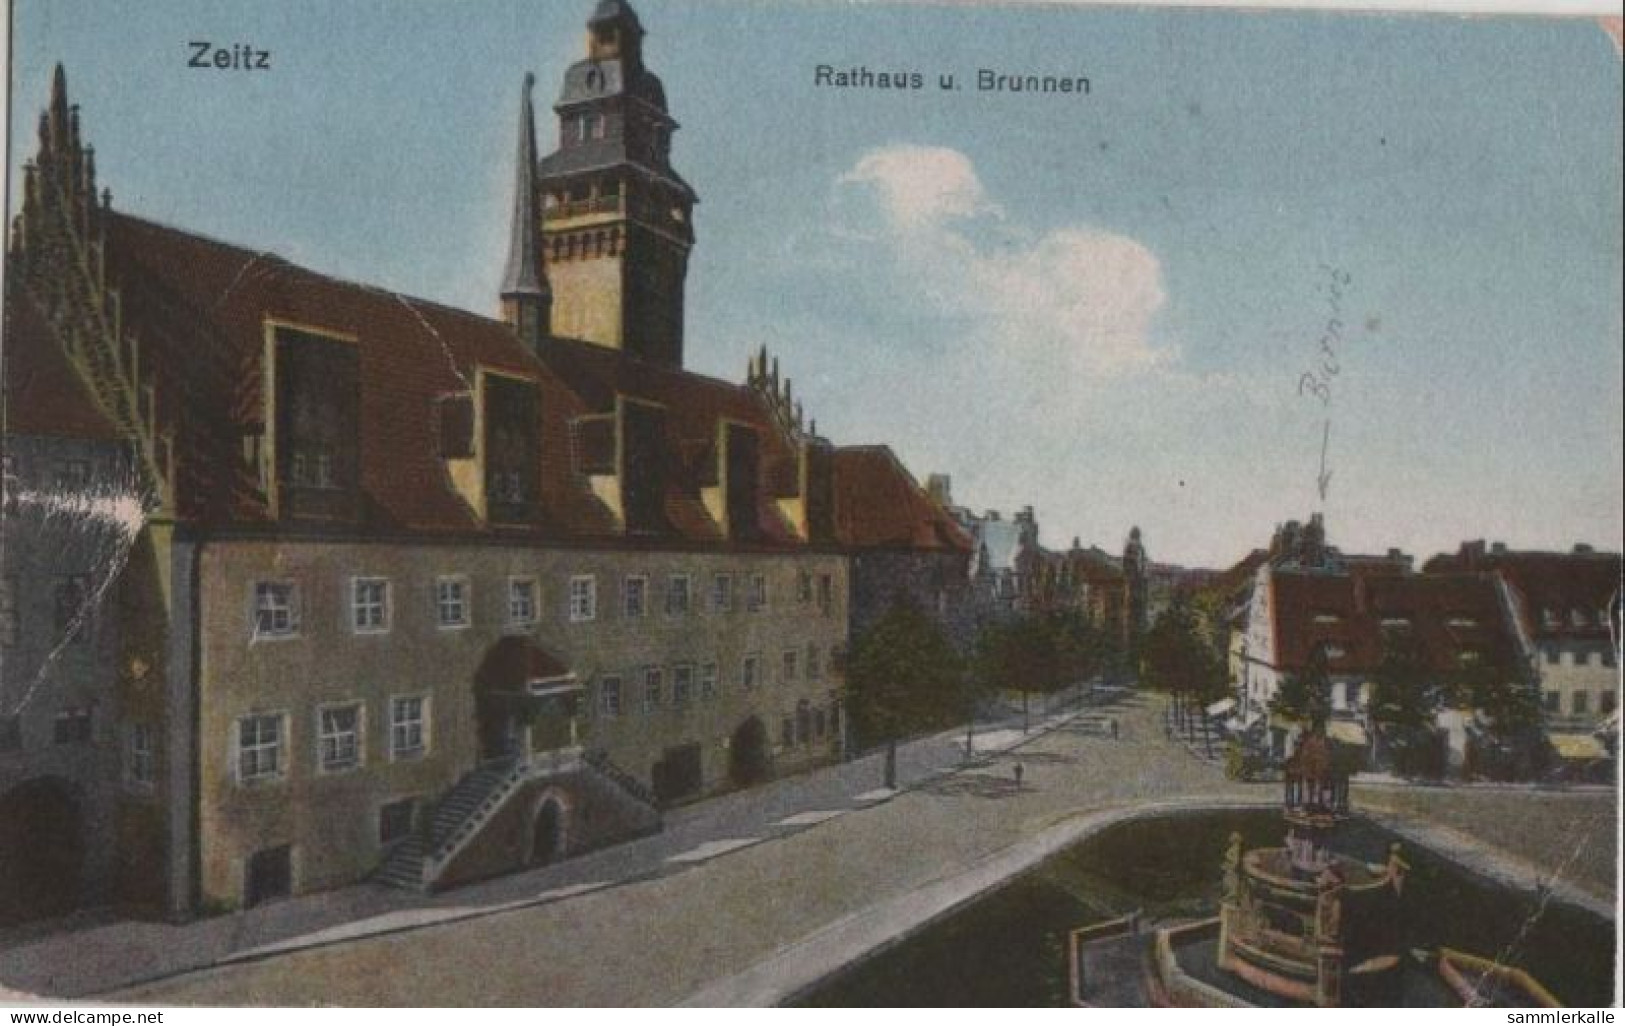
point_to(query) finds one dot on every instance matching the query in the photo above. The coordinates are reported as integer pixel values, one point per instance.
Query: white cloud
(1074, 298)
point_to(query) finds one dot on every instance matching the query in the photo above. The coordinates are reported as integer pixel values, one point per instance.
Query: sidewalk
(116, 955)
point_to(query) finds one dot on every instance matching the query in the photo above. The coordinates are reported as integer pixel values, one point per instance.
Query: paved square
(711, 849)
(811, 817)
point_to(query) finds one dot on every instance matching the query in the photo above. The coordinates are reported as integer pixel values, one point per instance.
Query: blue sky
(1099, 306)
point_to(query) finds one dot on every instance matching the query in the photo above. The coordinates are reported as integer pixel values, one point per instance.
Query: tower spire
(526, 299)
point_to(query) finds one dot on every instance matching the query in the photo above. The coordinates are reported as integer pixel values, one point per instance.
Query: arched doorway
(747, 753)
(41, 850)
(525, 700)
(547, 833)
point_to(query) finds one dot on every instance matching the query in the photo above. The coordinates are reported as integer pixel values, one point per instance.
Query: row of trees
(904, 677)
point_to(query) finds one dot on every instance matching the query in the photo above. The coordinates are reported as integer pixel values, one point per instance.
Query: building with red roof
(420, 594)
(1311, 605)
(1568, 604)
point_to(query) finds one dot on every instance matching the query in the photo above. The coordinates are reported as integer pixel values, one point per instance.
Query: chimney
(1583, 549)
(940, 488)
(1498, 548)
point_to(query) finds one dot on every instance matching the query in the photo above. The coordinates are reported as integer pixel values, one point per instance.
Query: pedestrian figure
(1018, 776)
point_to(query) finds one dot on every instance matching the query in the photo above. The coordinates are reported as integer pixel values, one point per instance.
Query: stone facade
(331, 819)
(408, 591)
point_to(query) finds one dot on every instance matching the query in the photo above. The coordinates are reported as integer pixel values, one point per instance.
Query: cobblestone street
(746, 897)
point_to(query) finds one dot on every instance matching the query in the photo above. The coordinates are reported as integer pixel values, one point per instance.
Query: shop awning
(1347, 732)
(1578, 746)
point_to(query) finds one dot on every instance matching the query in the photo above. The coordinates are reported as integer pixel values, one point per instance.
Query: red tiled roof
(198, 307)
(1552, 585)
(879, 504)
(1448, 614)
(43, 395)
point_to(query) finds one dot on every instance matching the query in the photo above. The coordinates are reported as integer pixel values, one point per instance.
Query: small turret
(527, 301)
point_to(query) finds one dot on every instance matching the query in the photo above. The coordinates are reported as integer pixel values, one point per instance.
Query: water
(1008, 948)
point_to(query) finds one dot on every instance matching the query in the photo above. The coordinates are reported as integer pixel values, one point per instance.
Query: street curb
(277, 949)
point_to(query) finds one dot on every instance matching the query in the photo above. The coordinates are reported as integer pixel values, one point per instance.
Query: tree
(1305, 697)
(1176, 658)
(1042, 653)
(1404, 708)
(1512, 742)
(903, 677)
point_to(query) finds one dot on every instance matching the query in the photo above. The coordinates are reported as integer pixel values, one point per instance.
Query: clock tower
(616, 222)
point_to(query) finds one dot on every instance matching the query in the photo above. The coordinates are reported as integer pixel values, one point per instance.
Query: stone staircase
(456, 818)
(418, 862)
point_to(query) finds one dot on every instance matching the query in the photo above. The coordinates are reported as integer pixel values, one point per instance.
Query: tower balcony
(571, 209)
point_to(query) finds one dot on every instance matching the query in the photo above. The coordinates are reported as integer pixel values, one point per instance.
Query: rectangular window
(635, 592)
(318, 425)
(338, 738)
(682, 685)
(11, 733)
(787, 732)
(1580, 702)
(678, 587)
(72, 605)
(521, 602)
(653, 679)
(790, 666)
(140, 765)
(395, 821)
(369, 605)
(749, 671)
(1554, 701)
(758, 593)
(408, 727)
(826, 593)
(71, 727)
(451, 601)
(1582, 658)
(1608, 658)
(609, 697)
(722, 593)
(9, 619)
(708, 681)
(276, 609)
(815, 666)
(804, 587)
(259, 748)
(1553, 656)
(583, 598)
(1606, 702)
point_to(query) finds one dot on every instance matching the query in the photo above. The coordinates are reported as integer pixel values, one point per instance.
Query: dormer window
(1578, 617)
(1461, 622)
(510, 449)
(318, 413)
(1396, 623)
(1550, 618)
(1327, 618)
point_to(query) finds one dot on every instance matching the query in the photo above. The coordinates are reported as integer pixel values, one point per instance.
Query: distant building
(1005, 556)
(1568, 604)
(1307, 597)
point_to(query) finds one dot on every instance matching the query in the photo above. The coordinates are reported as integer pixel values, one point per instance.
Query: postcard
(745, 503)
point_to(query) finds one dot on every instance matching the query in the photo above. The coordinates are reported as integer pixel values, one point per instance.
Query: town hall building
(399, 591)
